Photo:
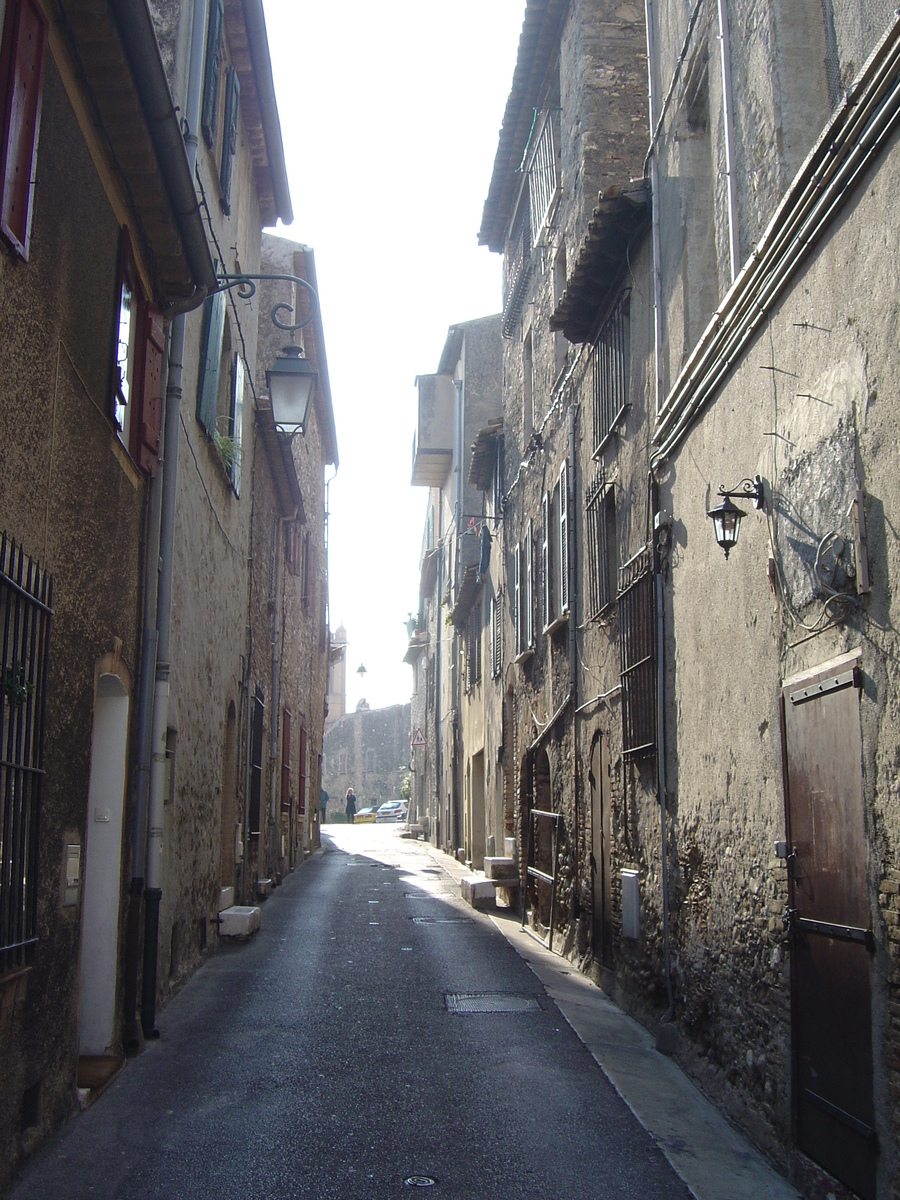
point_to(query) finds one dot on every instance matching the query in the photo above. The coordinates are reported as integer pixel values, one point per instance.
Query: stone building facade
(697, 749)
(369, 751)
(131, 427)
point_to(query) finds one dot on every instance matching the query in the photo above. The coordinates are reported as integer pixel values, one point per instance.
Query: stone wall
(369, 751)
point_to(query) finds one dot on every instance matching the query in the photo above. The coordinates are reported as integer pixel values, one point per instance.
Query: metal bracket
(246, 289)
(833, 683)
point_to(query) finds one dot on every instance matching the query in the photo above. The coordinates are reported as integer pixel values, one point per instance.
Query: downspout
(438, 682)
(654, 209)
(661, 745)
(573, 648)
(456, 777)
(132, 1032)
(734, 238)
(153, 893)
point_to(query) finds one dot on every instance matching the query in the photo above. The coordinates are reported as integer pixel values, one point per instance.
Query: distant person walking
(350, 806)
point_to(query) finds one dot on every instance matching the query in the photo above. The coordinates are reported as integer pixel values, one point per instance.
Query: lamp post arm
(246, 289)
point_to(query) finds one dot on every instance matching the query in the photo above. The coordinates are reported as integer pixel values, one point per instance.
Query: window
(473, 648)
(637, 656)
(497, 480)
(543, 175)
(220, 393)
(523, 601)
(304, 767)
(342, 759)
(26, 596)
(609, 355)
(516, 266)
(22, 51)
(307, 572)
(292, 543)
(221, 99)
(560, 342)
(497, 634)
(527, 390)
(286, 802)
(555, 551)
(140, 346)
(370, 762)
(601, 547)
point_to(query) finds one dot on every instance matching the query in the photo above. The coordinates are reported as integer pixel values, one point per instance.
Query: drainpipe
(131, 1031)
(654, 207)
(248, 719)
(573, 647)
(728, 113)
(456, 778)
(153, 893)
(661, 747)
(438, 674)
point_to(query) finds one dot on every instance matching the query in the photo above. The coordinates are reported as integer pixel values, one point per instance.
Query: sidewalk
(714, 1160)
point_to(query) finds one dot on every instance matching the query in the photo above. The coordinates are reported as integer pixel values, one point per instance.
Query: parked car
(392, 810)
(365, 816)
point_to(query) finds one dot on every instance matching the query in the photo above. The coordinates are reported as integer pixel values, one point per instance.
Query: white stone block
(226, 897)
(239, 921)
(509, 847)
(501, 868)
(477, 892)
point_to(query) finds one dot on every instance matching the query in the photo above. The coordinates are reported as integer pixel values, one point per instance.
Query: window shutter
(546, 583)
(237, 422)
(154, 349)
(564, 538)
(286, 761)
(210, 361)
(517, 599)
(529, 587)
(301, 795)
(229, 137)
(22, 72)
(212, 71)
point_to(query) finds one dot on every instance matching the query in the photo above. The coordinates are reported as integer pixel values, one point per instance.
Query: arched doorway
(103, 871)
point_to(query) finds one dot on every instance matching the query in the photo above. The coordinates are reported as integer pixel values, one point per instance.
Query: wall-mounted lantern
(726, 517)
(292, 384)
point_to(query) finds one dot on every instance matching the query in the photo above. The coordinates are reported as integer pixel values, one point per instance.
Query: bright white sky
(390, 115)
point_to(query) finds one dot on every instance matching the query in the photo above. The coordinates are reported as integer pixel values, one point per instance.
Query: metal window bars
(543, 180)
(26, 597)
(637, 655)
(609, 356)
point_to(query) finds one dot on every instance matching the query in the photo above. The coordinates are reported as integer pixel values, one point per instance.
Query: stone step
(477, 891)
(240, 921)
(502, 868)
(264, 887)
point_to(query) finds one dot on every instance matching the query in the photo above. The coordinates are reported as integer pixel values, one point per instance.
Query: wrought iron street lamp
(726, 517)
(292, 385)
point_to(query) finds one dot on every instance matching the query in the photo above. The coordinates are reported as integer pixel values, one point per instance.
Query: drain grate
(489, 1002)
(440, 920)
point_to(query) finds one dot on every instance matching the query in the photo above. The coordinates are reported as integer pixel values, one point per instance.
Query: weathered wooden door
(831, 938)
(601, 870)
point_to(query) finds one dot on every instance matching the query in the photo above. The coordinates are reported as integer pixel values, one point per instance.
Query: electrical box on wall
(631, 905)
(72, 886)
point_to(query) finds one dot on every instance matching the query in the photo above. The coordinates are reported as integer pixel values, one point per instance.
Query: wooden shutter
(229, 135)
(517, 599)
(301, 795)
(22, 79)
(546, 582)
(529, 587)
(286, 761)
(237, 421)
(564, 538)
(154, 349)
(210, 361)
(212, 71)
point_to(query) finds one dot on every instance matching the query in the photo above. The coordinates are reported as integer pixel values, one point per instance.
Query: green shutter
(212, 71)
(229, 139)
(237, 422)
(210, 361)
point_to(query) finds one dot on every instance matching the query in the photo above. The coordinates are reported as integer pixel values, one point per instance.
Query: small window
(601, 547)
(637, 652)
(523, 599)
(256, 760)
(370, 762)
(219, 119)
(137, 369)
(473, 648)
(497, 634)
(610, 354)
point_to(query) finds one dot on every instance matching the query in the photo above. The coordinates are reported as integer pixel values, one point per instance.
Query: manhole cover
(489, 1002)
(419, 1181)
(440, 920)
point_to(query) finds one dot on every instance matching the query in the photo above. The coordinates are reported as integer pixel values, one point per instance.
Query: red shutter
(154, 349)
(22, 73)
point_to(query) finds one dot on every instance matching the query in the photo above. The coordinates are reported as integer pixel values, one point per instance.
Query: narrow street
(323, 1060)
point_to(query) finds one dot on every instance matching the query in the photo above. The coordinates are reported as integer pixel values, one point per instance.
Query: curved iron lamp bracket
(246, 289)
(747, 489)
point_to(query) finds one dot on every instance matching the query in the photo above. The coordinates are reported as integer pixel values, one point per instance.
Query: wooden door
(601, 868)
(831, 938)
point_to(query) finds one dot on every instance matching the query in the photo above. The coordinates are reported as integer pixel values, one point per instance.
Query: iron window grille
(637, 655)
(473, 648)
(543, 178)
(609, 356)
(523, 608)
(26, 597)
(555, 550)
(601, 546)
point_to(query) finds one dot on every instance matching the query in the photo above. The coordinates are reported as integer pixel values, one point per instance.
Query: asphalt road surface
(324, 1060)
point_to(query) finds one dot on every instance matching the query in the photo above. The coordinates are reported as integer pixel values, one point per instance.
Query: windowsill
(557, 623)
(524, 657)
